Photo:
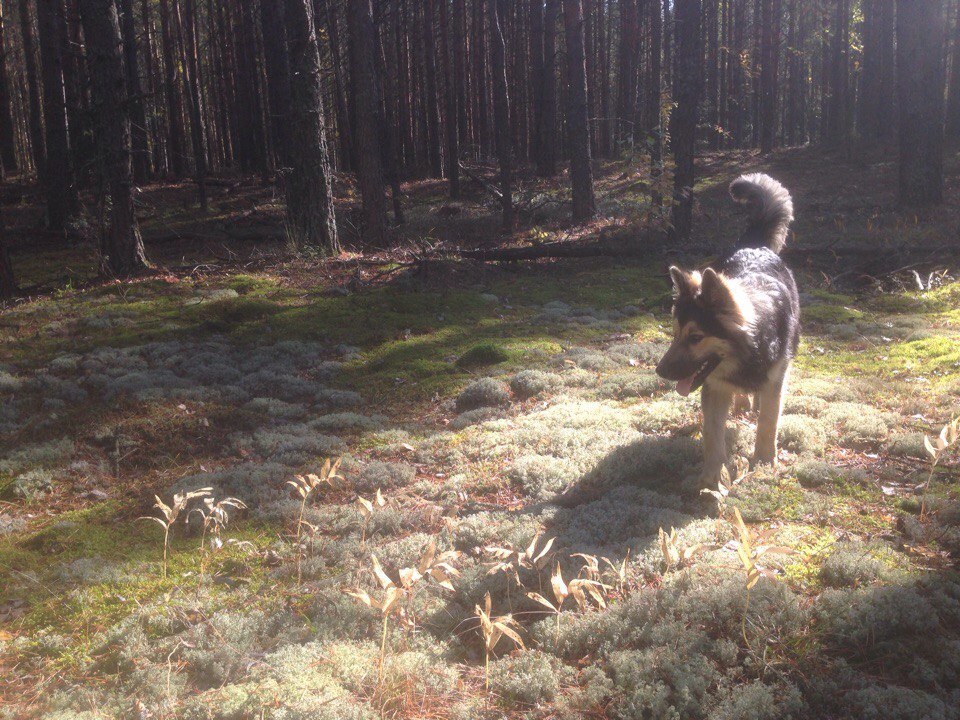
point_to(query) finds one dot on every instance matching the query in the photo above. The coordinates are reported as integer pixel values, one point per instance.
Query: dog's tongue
(684, 386)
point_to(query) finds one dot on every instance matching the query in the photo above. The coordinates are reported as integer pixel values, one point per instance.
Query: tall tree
(887, 114)
(174, 108)
(366, 97)
(547, 132)
(344, 136)
(536, 74)
(430, 97)
(8, 153)
(60, 189)
(501, 110)
(8, 285)
(686, 91)
(308, 186)
(452, 155)
(920, 34)
(769, 71)
(626, 87)
(953, 89)
(655, 99)
(138, 115)
(198, 119)
(121, 244)
(581, 175)
(278, 76)
(35, 112)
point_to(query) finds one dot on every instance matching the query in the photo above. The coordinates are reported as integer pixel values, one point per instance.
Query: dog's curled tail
(770, 207)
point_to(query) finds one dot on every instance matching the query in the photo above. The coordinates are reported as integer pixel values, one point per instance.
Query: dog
(736, 326)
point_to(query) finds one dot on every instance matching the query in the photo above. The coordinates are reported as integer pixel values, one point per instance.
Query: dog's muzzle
(687, 384)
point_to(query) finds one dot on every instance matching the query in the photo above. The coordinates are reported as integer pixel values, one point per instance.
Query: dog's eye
(694, 339)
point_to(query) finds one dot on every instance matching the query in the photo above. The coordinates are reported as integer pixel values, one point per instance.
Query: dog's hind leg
(716, 401)
(770, 404)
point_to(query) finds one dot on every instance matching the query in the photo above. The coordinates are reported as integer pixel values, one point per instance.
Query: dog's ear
(726, 299)
(685, 284)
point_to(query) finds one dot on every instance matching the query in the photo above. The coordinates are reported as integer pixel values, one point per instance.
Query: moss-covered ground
(498, 411)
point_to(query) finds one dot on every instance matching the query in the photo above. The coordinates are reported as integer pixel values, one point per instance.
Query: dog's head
(712, 318)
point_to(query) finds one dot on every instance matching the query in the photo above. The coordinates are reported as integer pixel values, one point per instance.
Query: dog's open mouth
(695, 380)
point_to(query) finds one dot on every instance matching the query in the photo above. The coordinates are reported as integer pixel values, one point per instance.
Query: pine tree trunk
(501, 109)
(121, 244)
(344, 132)
(60, 187)
(536, 75)
(603, 41)
(366, 97)
(8, 285)
(710, 28)
(308, 184)
(869, 96)
(625, 65)
(683, 132)
(769, 75)
(547, 135)
(581, 175)
(920, 32)
(953, 90)
(175, 133)
(8, 152)
(887, 113)
(198, 120)
(430, 98)
(35, 112)
(138, 116)
(278, 77)
(452, 155)
(654, 102)
(459, 72)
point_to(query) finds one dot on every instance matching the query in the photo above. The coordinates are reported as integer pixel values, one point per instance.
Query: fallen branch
(486, 184)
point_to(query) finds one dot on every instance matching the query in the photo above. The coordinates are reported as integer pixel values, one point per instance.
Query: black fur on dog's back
(765, 278)
(775, 334)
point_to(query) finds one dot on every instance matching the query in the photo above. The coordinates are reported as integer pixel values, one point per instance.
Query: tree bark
(581, 174)
(683, 134)
(536, 74)
(35, 111)
(430, 98)
(138, 116)
(121, 244)
(62, 200)
(710, 20)
(769, 74)
(308, 186)
(175, 133)
(368, 119)
(547, 134)
(8, 152)
(920, 79)
(501, 109)
(654, 101)
(450, 105)
(626, 88)
(953, 90)
(198, 120)
(278, 77)
(8, 285)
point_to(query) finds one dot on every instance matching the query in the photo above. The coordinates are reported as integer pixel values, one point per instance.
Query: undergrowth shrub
(485, 392)
(802, 434)
(907, 444)
(29, 485)
(482, 355)
(542, 476)
(528, 678)
(854, 564)
(383, 475)
(532, 383)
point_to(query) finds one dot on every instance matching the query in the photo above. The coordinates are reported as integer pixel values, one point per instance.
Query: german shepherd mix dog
(736, 327)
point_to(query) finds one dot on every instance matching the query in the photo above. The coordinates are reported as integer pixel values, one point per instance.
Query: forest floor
(510, 420)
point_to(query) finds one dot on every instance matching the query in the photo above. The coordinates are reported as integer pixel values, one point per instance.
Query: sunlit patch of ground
(485, 417)
(511, 418)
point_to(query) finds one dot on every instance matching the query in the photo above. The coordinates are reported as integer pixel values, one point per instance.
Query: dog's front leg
(768, 419)
(716, 406)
